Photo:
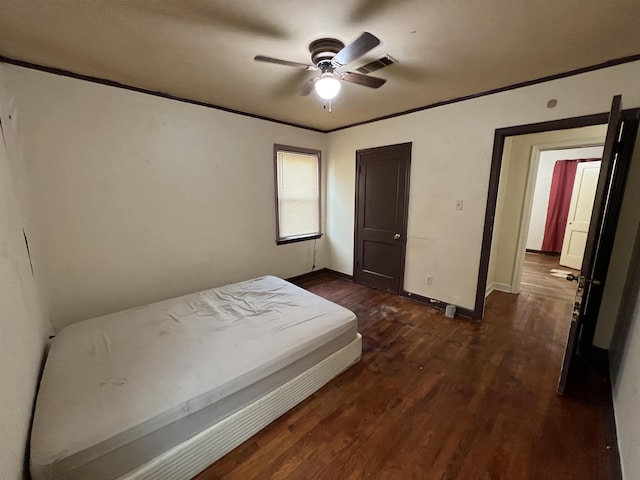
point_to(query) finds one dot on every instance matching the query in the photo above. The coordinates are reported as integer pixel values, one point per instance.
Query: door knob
(396, 236)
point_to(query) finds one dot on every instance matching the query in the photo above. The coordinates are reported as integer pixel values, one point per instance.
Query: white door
(575, 235)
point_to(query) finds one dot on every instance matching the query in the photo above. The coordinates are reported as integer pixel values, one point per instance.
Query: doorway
(537, 181)
(522, 205)
(565, 187)
(382, 201)
(618, 148)
(563, 197)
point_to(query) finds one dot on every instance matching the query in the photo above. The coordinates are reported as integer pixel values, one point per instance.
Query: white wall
(542, 190)
(138, 198)
(452, 148)
(626, 400)
(24, 327)
(625, 361)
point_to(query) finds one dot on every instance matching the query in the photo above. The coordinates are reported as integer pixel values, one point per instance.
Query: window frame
(308, 151)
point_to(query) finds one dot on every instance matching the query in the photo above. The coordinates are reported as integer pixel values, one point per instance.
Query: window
(297, 173)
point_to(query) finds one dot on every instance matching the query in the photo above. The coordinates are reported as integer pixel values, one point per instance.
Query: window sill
(300, 238)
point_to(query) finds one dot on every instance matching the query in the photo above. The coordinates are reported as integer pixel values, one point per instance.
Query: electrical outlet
(429, 280)
(458, 204)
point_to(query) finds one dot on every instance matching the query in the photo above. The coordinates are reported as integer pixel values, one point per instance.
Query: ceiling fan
(328, 55)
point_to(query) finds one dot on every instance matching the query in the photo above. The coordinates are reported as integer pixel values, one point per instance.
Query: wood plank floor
(537, 280)
(549, 298)
(439, 398)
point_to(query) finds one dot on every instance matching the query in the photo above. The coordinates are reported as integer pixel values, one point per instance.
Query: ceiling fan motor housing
(322, 52)
(329, 54)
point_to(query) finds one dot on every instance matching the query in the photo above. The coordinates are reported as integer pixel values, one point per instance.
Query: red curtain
(564, 174)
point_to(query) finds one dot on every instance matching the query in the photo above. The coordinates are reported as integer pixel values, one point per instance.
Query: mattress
(119, 390)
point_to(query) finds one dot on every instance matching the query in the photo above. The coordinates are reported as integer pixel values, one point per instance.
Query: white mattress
(121, 389)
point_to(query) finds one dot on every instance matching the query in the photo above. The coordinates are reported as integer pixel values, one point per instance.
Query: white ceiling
(203, 49)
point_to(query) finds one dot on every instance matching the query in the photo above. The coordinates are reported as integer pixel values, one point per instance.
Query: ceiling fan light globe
(327, 87)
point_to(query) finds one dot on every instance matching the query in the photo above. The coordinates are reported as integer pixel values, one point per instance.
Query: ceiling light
(327, 86)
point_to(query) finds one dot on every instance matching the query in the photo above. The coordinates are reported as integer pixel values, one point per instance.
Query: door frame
(494, 178)
(492, 194)
(405, 216)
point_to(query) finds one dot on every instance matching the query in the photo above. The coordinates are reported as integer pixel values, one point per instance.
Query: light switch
(458, 204)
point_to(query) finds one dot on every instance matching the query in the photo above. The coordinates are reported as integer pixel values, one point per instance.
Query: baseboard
(542, 252)
(461, 312)
(502, 287)
(320, 271)
(306, 276)
(344, 276)
(489, 290)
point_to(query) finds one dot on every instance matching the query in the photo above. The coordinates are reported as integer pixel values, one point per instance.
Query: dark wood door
(382, 198)
(599, 245)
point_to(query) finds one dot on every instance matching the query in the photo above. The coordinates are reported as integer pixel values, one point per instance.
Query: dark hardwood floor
(537, 280)
(440, 398)
(543, 307)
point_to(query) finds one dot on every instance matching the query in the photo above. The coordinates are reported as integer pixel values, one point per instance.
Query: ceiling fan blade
(289, 83)
(307, 88)
(356, 49)
(277, 61)
(367, 81)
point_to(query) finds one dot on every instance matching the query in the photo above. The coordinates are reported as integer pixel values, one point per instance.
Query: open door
(580, 208)
(596, 258)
